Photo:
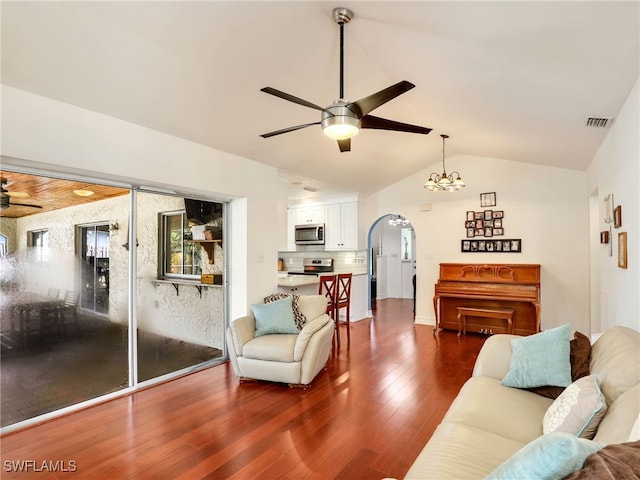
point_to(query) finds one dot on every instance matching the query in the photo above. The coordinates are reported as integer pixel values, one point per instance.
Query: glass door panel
(180, 320)
(64, 324)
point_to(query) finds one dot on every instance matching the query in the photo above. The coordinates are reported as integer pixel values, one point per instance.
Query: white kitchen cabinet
(341, 226)
(310, 215)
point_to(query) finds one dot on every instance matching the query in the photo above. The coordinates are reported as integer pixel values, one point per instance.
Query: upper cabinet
(341, 226)
(309, 215)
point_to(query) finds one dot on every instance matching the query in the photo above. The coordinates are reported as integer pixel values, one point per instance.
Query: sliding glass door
(67, 286)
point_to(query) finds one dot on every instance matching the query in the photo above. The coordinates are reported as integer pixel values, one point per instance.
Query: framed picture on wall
(470, 215)
(608, 208)
(488, 199)
(617, 216)
(622, 250)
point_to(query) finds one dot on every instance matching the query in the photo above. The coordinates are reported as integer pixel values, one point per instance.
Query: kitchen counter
(297, 281)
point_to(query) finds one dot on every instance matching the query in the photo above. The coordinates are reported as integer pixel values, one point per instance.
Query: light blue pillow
(275, 317)
(540, 359)
(548, 457)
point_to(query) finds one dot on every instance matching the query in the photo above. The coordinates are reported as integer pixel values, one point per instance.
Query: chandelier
(450, 183)
(398, 220)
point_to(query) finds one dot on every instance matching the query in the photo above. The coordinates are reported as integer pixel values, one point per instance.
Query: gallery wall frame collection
(483, 226)
(613, 215)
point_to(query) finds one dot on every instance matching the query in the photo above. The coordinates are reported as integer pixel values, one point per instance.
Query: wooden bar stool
(328, 287)
(343, 300)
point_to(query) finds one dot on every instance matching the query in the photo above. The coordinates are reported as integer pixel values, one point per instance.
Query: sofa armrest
(307, 333)
(242, 330)
(494, 357)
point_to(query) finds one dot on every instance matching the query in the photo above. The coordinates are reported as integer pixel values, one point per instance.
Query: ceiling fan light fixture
(83, 193)
(339, 122)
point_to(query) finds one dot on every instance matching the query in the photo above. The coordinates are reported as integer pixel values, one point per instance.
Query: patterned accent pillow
(298, 316)
(578, 410)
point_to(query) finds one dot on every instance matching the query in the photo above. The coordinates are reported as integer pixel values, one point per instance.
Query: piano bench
(499, 313)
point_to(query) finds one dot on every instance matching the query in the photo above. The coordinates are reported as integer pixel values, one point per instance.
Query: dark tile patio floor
(47, 376)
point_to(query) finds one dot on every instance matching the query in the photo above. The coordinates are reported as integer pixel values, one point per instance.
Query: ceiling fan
(343, 119)
(5, 197)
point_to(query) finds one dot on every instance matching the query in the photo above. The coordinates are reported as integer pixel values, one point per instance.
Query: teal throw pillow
(540, 359)
(548, 457)
(275, 317)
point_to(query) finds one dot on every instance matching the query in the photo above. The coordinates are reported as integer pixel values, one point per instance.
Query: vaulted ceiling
(513, 80)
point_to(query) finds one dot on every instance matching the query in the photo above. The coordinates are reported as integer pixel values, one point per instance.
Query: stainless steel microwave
(310, 234)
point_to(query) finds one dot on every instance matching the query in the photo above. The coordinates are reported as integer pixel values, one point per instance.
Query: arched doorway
(391, 269)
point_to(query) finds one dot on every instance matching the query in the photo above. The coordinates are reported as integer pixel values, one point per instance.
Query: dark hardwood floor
(367, 416)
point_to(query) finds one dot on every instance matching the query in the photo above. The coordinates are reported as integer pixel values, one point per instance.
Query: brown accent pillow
(580, 357)
(298, 316)
(614, 462)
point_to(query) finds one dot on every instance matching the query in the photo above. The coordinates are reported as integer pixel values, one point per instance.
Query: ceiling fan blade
(369, 121)
(345, 145)
(288, 129)
(12, 204)
(291, 98)
(368, 104)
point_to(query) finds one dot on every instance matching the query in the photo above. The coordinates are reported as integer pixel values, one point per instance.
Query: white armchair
(295, 359)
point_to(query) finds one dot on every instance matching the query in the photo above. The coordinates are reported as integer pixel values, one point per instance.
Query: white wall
(616, 169)
(67, 138)
(545, 207)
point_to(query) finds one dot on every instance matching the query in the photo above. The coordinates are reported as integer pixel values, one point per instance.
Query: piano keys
(488, 286)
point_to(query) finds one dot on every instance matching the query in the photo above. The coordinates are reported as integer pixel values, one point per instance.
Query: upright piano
(494, 286)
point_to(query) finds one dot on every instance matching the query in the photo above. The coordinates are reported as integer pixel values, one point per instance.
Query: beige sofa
(287, 358)
(487, 423)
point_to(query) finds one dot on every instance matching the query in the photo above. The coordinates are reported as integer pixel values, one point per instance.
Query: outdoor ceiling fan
(343, 119)
(5, 197)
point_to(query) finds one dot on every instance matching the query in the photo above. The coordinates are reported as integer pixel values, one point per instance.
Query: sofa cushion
(551, 456)
(614, 358)
(457, 451)
(298, 316)
(579, 357)
(620, 424)
(312, 306)
(613, 462)
(275, 317)
(578, 410)
(540, 359)
(508, 412)
(275, 348)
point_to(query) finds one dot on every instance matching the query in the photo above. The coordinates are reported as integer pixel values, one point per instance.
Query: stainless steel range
(315, 266)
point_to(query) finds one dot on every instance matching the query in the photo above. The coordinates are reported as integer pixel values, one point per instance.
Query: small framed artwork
(622, 250)
(497, 223)
(515, 246)
(474, 246)
(478, 215)
(482, 245)
(498, 213)
(469, 224)
(608, 208)
(466, 246)
(488, 214)
(506, 246)
(470, 216)
(488, 232)
(498, 231)
(470, 233)
(479, 224)
(604, 236)
(493, 246)
(617, 216)
(479, 232)
(488, 199)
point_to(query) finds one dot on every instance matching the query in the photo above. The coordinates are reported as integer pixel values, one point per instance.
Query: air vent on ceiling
(310, 189)
(599, 122)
